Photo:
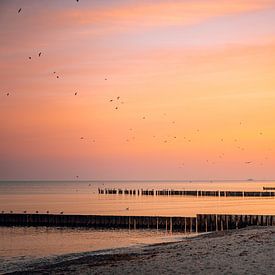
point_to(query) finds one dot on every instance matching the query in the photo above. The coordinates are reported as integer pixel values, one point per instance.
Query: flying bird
(30, 57)
(39, 54)
(8, 94)
(19, 10)
(75, 93)
(111, 100)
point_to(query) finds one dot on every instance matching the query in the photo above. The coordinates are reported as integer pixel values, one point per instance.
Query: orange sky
(195, 81)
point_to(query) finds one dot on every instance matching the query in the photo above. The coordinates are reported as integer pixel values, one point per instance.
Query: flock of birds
(117, 102)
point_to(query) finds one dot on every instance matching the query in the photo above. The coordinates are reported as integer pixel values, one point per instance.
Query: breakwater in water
(194, 193)
(199, 223)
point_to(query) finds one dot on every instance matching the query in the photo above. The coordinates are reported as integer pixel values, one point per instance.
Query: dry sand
(244, 251)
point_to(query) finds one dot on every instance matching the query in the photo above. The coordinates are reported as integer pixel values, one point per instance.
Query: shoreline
(244, 251)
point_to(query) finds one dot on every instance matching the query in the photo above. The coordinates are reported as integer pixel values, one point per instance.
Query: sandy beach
(244, 251)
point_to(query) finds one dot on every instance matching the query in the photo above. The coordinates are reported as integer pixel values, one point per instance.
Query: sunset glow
(175, 90)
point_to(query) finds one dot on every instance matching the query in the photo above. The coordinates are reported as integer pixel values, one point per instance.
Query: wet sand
(244, 251)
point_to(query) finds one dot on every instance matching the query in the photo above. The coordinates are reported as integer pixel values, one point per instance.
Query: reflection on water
(19, 246)
(23, 245)
(82, 197)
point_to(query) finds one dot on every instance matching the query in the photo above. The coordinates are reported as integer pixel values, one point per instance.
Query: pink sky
(200, 72)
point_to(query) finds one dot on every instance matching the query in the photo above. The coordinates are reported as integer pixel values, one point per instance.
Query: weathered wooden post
(185, 225)
(157, 223)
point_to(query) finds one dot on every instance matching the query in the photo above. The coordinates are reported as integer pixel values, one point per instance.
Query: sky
(178, 90)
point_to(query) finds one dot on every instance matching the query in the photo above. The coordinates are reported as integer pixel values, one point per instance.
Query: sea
(21, 247)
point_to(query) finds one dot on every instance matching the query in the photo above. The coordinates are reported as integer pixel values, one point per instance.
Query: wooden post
(166, 225)
(185, 225)
(191, 224)
(217, 223)
(196, 224)
(171, 225)
(157, 224)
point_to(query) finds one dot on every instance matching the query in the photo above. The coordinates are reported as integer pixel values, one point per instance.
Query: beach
(244, 251)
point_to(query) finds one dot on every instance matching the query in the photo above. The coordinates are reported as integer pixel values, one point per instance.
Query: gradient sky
(200, 72)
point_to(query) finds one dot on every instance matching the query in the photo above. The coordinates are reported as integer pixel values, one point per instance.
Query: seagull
(57, 76)
(61, 212)
(116, 108)
(7, 94)
(75, 93)
(111, 100)
(19, 10)
(30, 57)
(39, 54)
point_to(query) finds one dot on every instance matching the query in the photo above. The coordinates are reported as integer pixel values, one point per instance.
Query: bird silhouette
(248, 162)
(30, 57)
(39, 54)
(75, 93)
(19, 10)
(7, 94)
(118, 97)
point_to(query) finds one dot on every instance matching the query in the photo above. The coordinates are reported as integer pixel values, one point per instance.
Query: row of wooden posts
(195, 193)
(197, 224)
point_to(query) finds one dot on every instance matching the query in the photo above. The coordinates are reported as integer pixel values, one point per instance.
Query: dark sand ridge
(244, 251)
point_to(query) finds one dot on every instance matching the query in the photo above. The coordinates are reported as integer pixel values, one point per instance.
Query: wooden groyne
(194, 193)
(200, 223)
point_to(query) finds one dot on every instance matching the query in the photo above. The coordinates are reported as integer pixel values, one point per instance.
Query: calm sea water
(83, 198)
(21, 246)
